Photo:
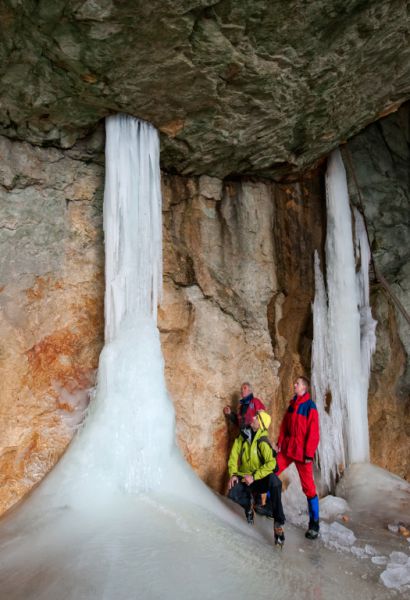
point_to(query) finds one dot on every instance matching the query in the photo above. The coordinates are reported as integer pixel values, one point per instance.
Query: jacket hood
(264, 419)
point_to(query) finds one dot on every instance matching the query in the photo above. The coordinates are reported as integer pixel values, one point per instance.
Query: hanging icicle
(344, 333)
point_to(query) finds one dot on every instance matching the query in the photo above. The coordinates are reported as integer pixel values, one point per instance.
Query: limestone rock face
(300, 228)
(219, 277)
(381, 159)
(51, 294)
(261, 87)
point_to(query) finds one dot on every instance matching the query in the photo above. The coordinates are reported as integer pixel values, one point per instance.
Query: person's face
(299, 387)
(245, 390)
(255, 424)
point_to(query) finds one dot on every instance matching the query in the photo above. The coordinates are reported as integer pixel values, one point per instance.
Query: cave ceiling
(257, 87)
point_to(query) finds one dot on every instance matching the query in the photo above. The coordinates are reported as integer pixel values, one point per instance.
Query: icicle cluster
(133, 265)
(344, 333)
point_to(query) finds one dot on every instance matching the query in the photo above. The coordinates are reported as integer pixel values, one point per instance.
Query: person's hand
(248, 479)
(227, 410)
(233, 481)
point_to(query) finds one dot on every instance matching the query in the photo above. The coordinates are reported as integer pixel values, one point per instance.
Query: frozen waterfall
(344, 332)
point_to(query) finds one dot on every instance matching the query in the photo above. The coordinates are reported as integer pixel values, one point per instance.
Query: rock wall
(238, 285)
(51, 299)
(220, 275)
(261, 87)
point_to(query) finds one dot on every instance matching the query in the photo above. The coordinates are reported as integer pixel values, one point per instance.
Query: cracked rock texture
(264, 87)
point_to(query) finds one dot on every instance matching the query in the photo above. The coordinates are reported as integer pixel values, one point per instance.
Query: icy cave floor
(147, 548)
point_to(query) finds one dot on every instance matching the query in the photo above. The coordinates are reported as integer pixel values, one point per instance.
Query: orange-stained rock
(51, 296)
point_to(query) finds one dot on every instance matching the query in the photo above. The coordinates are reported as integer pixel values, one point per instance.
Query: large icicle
(344, 333)
(132, 203)
(331, 446)
(127, 439)
(367, 323)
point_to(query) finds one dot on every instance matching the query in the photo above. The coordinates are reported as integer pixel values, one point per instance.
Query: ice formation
(344, 333)
(367, 323)
(127, 440)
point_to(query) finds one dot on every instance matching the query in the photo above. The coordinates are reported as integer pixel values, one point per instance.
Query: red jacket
(248, 408)
(299, 431)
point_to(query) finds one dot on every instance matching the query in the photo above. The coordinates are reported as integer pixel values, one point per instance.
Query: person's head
(260, 420)
(246, 389)
(301, 386)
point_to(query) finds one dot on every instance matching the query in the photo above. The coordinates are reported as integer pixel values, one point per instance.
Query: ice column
(127, 438)
(367, 323)
(132, 221)
(331, 446)
(344, 333)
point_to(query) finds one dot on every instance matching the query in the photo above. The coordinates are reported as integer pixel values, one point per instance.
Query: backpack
(266, 440)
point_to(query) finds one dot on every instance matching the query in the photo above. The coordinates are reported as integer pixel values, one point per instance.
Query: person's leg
(282, 462)
(272, 484)
(242, 495)
(305, 471)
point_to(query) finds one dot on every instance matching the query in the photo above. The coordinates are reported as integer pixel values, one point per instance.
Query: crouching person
(251, 468)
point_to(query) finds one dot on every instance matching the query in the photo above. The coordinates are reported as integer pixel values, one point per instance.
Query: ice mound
(397, 573)
(332, 507)
(337, 536)
(375, 492)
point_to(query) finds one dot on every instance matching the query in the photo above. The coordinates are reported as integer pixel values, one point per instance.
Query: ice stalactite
(127, 441)
(132, 221)
(344, 333)
(367, 323)
(331, 447)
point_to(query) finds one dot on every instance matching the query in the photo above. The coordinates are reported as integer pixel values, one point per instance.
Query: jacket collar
(299, 399)
(246, 399)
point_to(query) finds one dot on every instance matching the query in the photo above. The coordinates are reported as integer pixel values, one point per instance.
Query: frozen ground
(146, 548)
(149, 549)
(368, 520)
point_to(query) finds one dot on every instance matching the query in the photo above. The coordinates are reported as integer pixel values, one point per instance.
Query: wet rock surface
(261, 87)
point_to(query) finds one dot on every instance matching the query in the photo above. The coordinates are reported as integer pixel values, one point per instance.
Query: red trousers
(305, 471)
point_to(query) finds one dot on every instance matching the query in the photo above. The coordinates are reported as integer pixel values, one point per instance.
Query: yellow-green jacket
(245, 458)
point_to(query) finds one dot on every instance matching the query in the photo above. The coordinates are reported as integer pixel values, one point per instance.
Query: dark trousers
(243, 494)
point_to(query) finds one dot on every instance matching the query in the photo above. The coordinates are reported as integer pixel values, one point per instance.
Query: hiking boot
(279, 533)
(313, 530)
(264, 511)
(249, 516)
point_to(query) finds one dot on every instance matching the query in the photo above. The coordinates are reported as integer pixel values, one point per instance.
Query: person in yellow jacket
(251, 465)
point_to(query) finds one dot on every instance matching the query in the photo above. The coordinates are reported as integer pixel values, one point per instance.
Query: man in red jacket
(298, 441)
(249, 406)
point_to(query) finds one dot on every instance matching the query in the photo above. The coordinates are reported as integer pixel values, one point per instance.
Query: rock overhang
(260, 88)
